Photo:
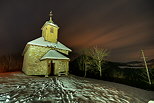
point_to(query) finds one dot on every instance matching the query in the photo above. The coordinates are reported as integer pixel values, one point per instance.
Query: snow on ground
(17, 87)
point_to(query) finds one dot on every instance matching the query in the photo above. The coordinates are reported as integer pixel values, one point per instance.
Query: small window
(51, 30)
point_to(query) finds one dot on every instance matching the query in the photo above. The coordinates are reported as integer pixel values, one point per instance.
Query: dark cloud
(122, 26)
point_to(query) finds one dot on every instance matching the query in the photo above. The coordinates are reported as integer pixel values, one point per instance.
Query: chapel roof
(41, 42)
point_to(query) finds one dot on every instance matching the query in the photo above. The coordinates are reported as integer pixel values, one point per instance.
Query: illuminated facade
(44, 55)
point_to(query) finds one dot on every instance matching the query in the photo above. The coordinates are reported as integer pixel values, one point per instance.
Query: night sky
(124, 27)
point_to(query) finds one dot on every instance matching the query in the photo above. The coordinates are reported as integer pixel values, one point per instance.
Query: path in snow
(18, 88)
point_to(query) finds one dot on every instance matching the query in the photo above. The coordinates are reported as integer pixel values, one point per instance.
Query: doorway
(52, 68)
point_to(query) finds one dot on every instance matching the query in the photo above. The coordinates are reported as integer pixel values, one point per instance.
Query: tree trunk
(100, 69)
(85, 68)
(100, 72)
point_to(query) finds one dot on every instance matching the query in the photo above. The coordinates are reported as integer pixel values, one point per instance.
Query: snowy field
(16, 87)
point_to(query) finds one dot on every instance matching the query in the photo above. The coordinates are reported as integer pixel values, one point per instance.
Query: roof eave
(49, 24)
(53, 59)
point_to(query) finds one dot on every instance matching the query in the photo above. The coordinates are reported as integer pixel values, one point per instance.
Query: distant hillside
(134, 62)
(137, 62)
(131, 64)
(150, 63)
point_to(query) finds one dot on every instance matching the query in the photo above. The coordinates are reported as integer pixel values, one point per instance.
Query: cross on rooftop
(50, 14)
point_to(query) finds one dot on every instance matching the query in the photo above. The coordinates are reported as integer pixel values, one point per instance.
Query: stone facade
(54, 62)
(31, 64)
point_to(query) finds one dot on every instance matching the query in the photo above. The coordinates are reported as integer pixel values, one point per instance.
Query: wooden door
(52, 68)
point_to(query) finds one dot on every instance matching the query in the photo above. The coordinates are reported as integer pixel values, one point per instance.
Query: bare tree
(84, 61)
(98, 54)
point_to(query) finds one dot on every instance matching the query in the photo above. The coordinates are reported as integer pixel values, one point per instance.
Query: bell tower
(50, 30)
